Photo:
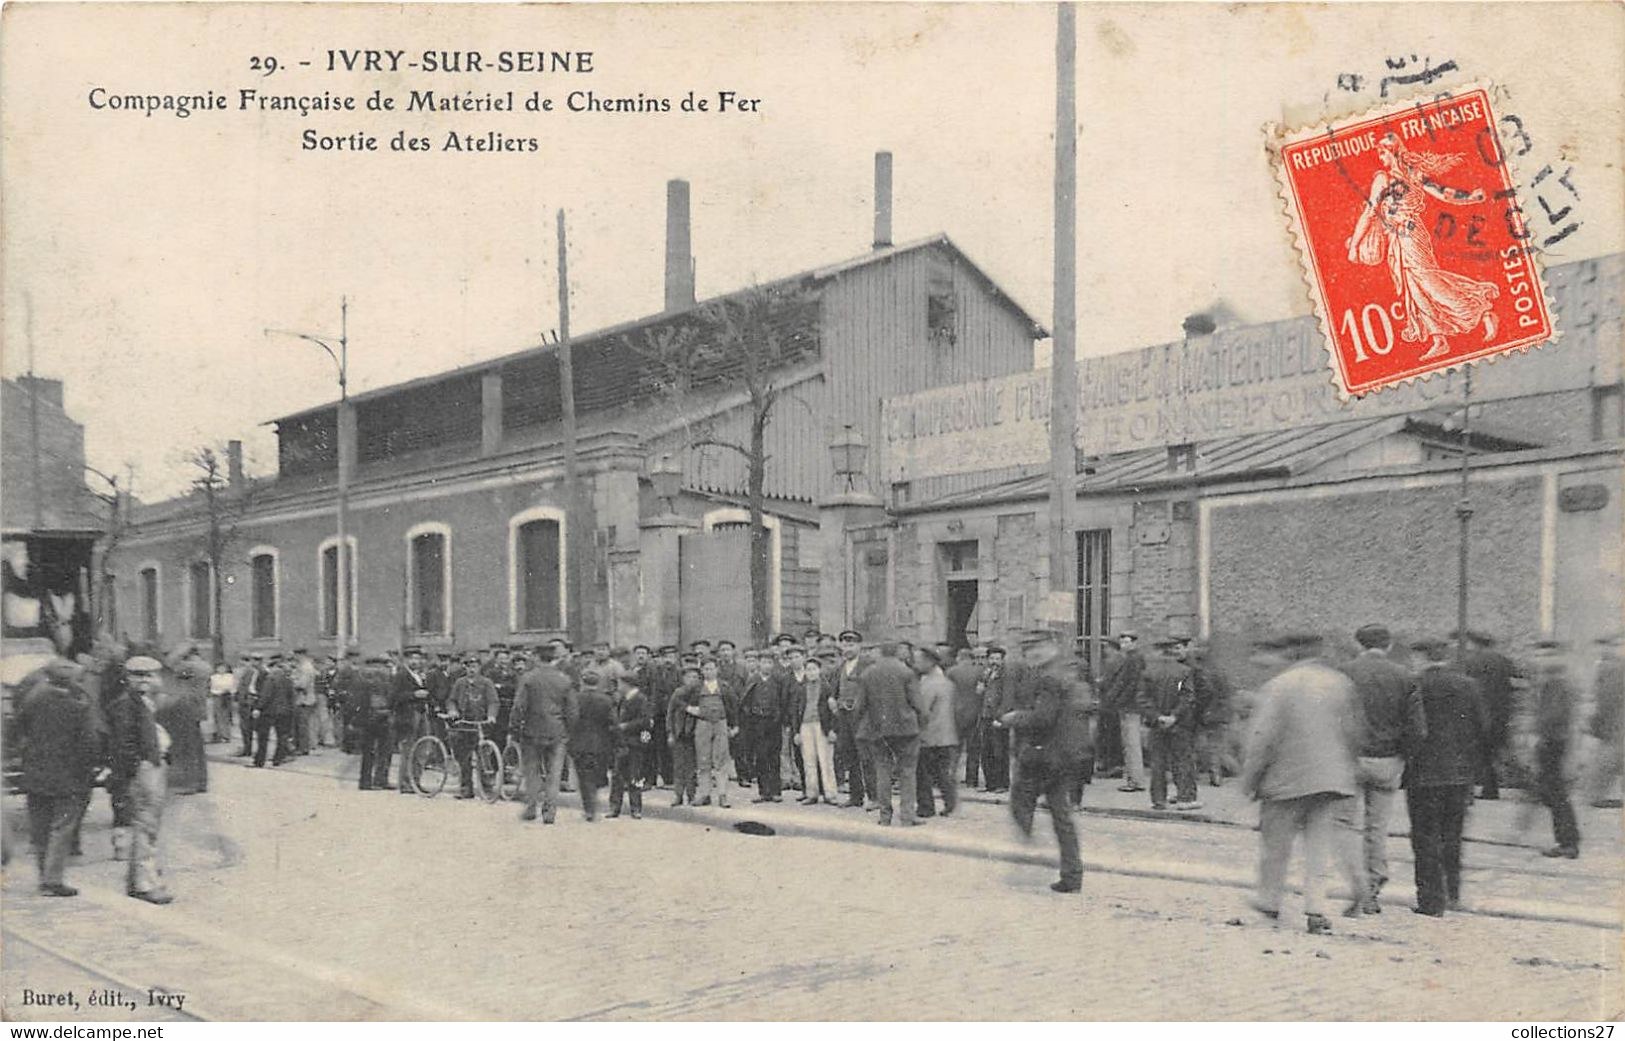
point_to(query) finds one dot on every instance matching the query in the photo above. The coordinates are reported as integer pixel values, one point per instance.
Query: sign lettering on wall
(1238, 381)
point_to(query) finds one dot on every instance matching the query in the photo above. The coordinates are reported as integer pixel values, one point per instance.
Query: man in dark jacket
(473, 698)
(1051, 743)
(592, 739)
(1554, 714)
(137, 756)
(966, 676)
(634, 740)
(372, 721)
(409, 701)
(663, 680)
(273, 710)
(1167, 707)
(1439, 775)
(890, 709)
(1119, 693)
(1495, 674)
(852, 760)
(995, 743)
(1392, 724)
(544, 713)
(680, 736)
(59, 752)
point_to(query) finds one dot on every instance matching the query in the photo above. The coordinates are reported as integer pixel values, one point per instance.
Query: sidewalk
(1133, 845)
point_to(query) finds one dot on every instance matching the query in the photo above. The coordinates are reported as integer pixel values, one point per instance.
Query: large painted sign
(1248, 380)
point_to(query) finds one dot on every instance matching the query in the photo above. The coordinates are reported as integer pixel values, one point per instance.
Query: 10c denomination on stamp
(1411, 238)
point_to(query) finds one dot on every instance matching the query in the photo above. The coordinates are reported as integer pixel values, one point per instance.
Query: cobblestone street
(669, 918)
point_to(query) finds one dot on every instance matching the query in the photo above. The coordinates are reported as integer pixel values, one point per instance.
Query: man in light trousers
(1392, 724)
(1301, 766)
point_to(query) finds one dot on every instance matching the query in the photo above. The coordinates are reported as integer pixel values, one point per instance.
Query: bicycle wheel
(487, 767)
(513, 771)
(430, 764)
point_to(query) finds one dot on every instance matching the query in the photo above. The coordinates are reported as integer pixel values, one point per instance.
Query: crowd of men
(841, 721)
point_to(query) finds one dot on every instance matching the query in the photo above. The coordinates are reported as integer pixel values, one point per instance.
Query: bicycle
(513, 771)
(432, 764)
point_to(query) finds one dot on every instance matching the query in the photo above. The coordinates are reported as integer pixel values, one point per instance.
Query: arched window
(536, 556)
(150, 576)
(327, 600)
(428, 578)
(199, 600)
(730, 517)
(264, 593)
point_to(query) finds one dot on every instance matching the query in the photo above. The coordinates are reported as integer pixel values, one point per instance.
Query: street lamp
(848, 453)
(341, 360)
(666, 475)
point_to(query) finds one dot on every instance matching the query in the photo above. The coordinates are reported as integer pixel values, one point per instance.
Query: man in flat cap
(1167, 707)
(1439, 774)
(1393, 724)
(1119, 692)
(1048, 712)
(1554, 713)
(1300, 765)
(60, 748)
(852, 760)
(137, 749)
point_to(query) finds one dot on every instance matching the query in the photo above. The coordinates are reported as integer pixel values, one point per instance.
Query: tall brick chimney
(882, 200)
(679, 248)
(234, 463)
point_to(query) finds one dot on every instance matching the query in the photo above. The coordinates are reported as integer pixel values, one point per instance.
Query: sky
(145, 255)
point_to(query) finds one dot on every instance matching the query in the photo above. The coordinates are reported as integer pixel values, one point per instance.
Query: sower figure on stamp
(1051, 743)
(1392, 229)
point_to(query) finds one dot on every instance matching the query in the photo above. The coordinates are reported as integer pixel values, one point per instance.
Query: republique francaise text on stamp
(1411, 238)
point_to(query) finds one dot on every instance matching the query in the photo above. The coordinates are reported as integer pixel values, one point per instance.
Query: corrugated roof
(1278, 453)
(599, 336)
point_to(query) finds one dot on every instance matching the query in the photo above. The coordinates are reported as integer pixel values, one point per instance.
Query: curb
(923, 841)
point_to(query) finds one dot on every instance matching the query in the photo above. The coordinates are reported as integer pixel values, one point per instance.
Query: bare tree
(112, 508)
(749, 340)
(224, 508)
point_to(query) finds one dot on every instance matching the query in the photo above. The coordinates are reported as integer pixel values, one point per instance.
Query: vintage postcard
(812, 512)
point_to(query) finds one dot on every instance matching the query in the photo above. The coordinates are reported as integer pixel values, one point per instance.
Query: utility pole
(572, 464)
(341, 359)
(1464, 512)
(1063, 358)
(33, 419)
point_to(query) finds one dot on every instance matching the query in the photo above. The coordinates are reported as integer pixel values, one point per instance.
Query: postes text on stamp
(1411, 238)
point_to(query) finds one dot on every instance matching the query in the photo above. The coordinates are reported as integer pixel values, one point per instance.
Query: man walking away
(1051, 744)
(1554, 711)
(59, 753)
(1494, 673)
(544, 713)
(1392, 725)
(373, 722)
(1167, 707)
(966, 676)
(592, 738)
(889, 708)
(1439, 776)
(939, 740)
(1300, 764)
(1213, 697)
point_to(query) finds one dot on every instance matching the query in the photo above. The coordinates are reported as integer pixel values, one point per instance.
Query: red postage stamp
(1411, 237)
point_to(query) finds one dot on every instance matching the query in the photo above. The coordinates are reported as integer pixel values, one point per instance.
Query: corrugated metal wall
(876, 342)
(797, 447)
